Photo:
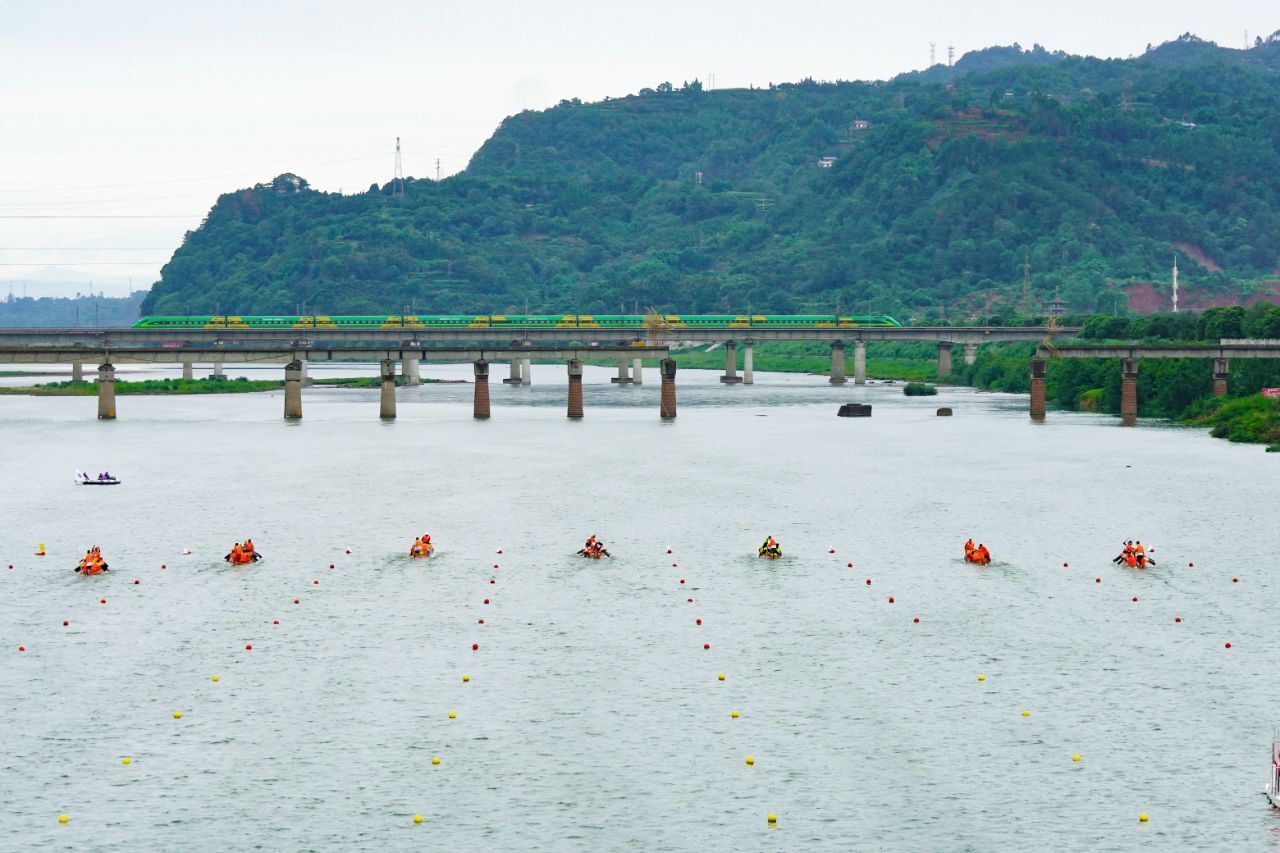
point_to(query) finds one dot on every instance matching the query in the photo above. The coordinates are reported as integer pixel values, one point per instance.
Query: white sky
(154, 107)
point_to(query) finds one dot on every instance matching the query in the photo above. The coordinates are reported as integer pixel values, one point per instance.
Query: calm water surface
(594, 718)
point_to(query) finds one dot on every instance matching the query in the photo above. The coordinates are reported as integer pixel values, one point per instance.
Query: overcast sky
(133, 108)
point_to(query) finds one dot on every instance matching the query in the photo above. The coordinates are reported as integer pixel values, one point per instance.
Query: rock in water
(854, 410)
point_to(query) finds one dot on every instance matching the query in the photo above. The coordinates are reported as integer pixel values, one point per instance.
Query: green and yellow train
(638, 322)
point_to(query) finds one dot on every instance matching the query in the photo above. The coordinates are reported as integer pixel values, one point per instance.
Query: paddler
(983, 554)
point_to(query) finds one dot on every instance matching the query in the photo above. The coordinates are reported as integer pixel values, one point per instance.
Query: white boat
(83, 479)
(1273, 784)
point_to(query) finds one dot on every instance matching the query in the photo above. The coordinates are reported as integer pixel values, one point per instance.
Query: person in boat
(251, 552)
(421, 546)
(770, 547)
(969, 548)
(983, 554)
(237, 554)
(92, 562)
(589, 546)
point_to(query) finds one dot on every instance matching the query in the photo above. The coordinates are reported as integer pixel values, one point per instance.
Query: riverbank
(206, 385)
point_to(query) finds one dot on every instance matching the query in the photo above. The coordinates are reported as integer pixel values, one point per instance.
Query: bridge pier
(1037, 389)
(624, 372)
(748, 363)
(106, 392)
(1128, 392)
(837, 364)
(859, 362)
(637, 371)
(944, 359)
(293, 390)
(218, 372)
(306, 376)
(77, 371)
(575, 389)
(387, 410)
(514, 377)
(1220, 367)
(525, 378)
(411, 367)
(481, 410)
(188, 370)
(731, 376)
(667, 404)
(970, 353)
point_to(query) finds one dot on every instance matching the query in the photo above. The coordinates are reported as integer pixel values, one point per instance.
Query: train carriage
(517, 321)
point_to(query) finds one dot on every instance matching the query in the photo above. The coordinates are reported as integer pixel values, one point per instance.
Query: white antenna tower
(1175, 284)
(951, 55)
(397, 180)
(933, 53)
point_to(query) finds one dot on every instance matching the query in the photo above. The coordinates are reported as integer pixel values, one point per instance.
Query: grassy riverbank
(908, 362)
(1255, 419)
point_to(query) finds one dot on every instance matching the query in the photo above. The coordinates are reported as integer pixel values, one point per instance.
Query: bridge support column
(1220, 367)
(1037, 389)
(106, 392)
(944, 359)
(1128, 392)
(837, 364)
(514, 377)
(218, 372)
(306, 377)
(188, 370)
(731, 376)
(748, 363)
(387, 410)
(77, 371)
(293, 390)
(575, 389)
(624, 372)
(859, 362)
(481, 411)
(411, 367)
(525, 378)
(970, 353)
(667, 406)
(637, 371)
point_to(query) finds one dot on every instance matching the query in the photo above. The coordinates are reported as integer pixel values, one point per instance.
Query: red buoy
(1189, 566)
(1064, 565)
(1228, 645)
(491, 580)
(486, 601)
(475, 647)
(316, 582)
(668, 551)
(1097, 580)
(248, 647)
(699, 621)
(164, 565)
(136, 581)
(706, 645)
(1135, 598)
(1177, 619)
(891, 599)
(275, 622)
(65, 623)
(868, 581)
(22, 648)
(916, 620)
(331, 565)
(1235, 580)
(495, 565)
(674, 566)
(481, 621)
(102, 601)
(690, 600)
(295, 601)
(848, 565)
(499, 550)
(681, 580)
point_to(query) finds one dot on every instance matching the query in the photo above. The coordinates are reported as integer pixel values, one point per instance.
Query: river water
(594, 718)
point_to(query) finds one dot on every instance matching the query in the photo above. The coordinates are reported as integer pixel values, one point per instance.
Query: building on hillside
(860, 124)
(1057, 307)
(826, 162)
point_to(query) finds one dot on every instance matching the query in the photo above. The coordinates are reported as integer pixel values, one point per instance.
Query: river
(594, 717)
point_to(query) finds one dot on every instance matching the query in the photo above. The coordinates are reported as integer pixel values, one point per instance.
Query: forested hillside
(1092, 173)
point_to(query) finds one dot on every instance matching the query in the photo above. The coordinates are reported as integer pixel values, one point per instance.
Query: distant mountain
(50, 311)
(910, 196)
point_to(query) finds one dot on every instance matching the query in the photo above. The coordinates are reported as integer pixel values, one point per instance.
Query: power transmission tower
(933, 54)
(437, 170)
(951, 55)
(397, 180)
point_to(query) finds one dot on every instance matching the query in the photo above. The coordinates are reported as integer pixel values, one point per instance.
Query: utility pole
(1026, 283)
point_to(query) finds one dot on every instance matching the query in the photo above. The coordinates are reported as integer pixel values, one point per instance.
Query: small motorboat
(1273, 784)
(419, 551)
(771, 554)
(83, 479)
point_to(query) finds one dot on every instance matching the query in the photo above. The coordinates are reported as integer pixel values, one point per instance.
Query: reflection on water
(594, 718)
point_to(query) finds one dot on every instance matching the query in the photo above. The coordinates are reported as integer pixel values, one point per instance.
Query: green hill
(1091, 171)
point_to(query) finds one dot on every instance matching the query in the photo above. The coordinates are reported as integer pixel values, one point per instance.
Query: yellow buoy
(751, 761)
(215, 678)
(1142, 818)
(733, 714)
(1075, 757)
(417, 818)
(435, 759)
(126, 760)
(465, 679)
(1026, 713)
(720, 677)
(773, 819)
(177, 715)
(452, 715)
(981, 677)
(63, 818)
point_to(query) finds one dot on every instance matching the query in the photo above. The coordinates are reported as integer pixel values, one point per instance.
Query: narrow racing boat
(1273, 784)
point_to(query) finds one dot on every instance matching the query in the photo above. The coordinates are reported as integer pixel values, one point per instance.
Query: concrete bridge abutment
(411, 369)
(637, 371)
(667, 404)
(731, 376)
(748, 363)
(293, 390)
(106, 392)
(481, 407)
(575, 389)
(970, 353)
(859, 362)
(1128, 392)
(1037, 389)
(387, 407)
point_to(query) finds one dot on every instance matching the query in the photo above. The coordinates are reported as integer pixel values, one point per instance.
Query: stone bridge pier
(106, 392)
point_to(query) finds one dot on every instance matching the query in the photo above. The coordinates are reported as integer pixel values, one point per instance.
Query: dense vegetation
(1092, 171)
(66, 312)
